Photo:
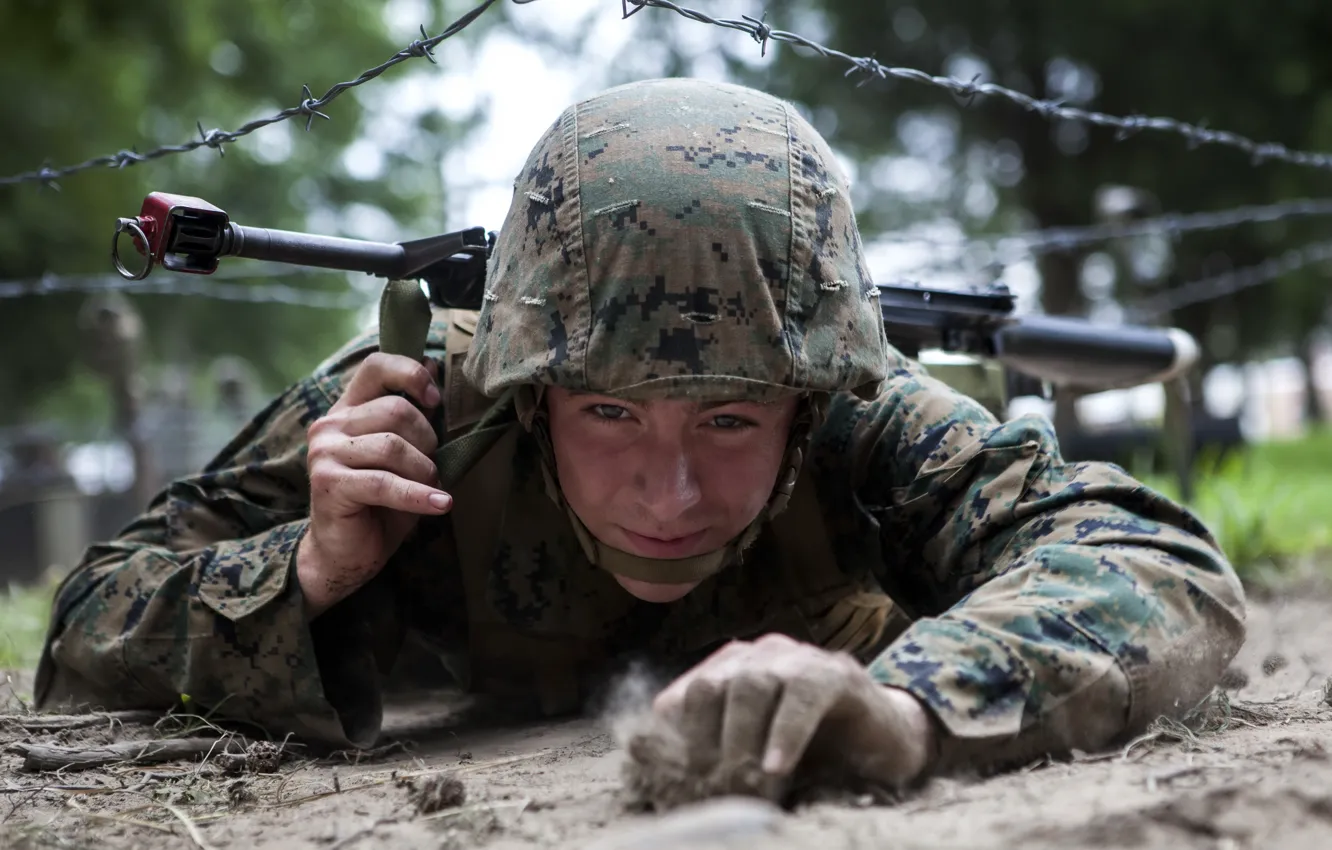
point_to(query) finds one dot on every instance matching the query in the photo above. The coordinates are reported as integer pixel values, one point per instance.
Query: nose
(667, 483)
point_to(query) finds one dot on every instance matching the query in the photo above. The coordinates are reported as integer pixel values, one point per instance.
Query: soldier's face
(667, 478)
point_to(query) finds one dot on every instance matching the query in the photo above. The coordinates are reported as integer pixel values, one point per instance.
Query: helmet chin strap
(532, 413)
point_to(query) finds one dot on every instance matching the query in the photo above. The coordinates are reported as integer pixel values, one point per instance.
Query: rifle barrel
(307, 249)
(1076, 353)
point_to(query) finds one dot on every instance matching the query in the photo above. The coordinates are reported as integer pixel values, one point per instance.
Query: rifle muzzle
(1076, 354)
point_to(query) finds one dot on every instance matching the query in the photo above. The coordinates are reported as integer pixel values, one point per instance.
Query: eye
(609, 412)
(728, 422)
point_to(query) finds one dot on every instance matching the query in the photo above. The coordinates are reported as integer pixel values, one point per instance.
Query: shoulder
(280, 427)
(915, 426)
(912, 411)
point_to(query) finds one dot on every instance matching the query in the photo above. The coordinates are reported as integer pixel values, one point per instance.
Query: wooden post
(1177, 434)
(60, 519)
(113, 332)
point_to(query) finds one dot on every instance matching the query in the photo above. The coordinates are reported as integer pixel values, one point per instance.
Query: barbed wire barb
(761, 32)
(1049, 109)
(124, 158)
(47, 177)
(309, 107)
(209, 138)
(419, 48)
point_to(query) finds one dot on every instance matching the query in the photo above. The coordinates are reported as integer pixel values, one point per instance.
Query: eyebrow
(705, 405)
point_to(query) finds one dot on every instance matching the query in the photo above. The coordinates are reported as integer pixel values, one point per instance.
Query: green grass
(1269, 506)
(23, 613)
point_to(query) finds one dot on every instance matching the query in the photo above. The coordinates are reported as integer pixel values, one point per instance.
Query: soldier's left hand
(774, 701)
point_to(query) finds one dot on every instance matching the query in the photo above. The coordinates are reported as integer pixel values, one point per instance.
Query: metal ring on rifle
(132, 226)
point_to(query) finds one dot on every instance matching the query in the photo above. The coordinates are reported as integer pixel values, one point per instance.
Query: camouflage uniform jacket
(1048, 605)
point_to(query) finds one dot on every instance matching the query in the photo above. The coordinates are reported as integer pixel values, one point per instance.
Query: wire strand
(1259, 152)
(309, 106)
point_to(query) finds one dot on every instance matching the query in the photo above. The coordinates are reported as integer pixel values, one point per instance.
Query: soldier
(676, 429)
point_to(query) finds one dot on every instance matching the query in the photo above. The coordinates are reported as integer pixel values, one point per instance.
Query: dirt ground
(1257, 775)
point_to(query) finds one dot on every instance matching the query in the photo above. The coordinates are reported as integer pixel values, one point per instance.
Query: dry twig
(60, 722)
(117, 818)
(18, 804)
(193, 830)
(1165, 777)
(39, 757)
(13, 692)
(319, 795)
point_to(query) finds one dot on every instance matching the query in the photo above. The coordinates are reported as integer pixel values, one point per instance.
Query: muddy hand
(371, 477)
(773, 701)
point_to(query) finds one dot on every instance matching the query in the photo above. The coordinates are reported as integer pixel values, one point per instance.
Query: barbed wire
(213, 286)
(1228, 283)
(309, 107)
(1049, 240)
(761, 32)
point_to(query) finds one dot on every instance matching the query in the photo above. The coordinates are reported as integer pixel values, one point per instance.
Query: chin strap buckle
(781, 494)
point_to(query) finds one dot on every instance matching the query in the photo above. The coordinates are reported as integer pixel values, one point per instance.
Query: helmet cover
(680, 237)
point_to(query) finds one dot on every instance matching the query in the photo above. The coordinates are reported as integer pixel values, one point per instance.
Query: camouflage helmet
(681, 237)
(677, 237)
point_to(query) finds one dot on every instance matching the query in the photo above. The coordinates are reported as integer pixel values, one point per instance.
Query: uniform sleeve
(1059, 605)
(198, 596)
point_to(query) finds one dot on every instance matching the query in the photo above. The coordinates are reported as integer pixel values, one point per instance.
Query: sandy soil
(1261, 780)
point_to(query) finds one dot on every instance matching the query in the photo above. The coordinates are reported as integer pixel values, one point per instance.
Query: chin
(651, 592)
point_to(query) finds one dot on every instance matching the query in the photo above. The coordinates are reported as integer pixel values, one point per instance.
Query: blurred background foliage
(84, 78)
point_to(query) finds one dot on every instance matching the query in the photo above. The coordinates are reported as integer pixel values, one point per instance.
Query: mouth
(647, 546)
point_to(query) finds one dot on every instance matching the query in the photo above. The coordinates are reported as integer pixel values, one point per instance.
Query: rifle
(1033, 352)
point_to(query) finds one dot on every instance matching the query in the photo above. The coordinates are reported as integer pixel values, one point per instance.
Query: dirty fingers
(371, 476)
(774, 703)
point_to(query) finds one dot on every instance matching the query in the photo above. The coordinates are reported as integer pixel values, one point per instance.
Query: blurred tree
(85, 78)
(922, 153)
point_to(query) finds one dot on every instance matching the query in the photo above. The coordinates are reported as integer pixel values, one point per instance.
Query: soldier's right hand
(371, 477)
